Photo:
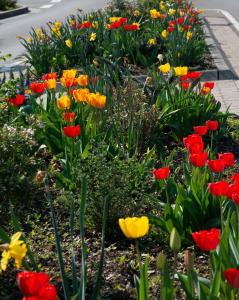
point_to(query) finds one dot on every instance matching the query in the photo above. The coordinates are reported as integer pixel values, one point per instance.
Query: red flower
(235, 198)
(228, 159)
(232, 277)
(185, 85)
(196, 148)
(170, 29)
(161, 173)
(35, 286)
(212, 125)
(198, 159)
(49, 76)
(180, 20)
(86, 24)
(38, 87)
(186, 27)
(172, 23)
(216, 165)
(115, 24)
(192, 139)
(201, 130)
(209, 85)
(232, 189)
(194, 75)
(235, 178)
(69, 116)
(72, 131)
(219, 188)
(207, 240)
(123, 20)
(17, 101)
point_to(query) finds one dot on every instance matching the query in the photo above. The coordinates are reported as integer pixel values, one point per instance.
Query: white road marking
(55, 1)
(46, 6)
(230, 18)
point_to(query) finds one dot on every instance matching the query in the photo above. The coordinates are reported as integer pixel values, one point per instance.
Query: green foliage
(7, 4)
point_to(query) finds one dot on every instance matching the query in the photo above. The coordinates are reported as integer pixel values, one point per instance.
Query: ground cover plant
(116, 186)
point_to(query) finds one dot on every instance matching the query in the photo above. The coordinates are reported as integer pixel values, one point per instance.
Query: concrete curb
(14, 12)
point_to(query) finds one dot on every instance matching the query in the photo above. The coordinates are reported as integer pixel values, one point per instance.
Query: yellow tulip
(135, 227)
(181, 71)
(162, 5)
(69, 73)
(114, 19)
(68, 43)
(81, 95)
(154, 13)
(51, 84)
(64, 102)
(165, 68)
(171, 12)
(17, 250)
(97, 100)
(189, 35)
(164, 34)
(83, 80)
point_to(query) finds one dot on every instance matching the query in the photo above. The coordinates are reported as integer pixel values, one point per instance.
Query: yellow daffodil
(58, 25)
(68, 43)
(189, 35)
(29, 39)
(165, 68)
(16, 249)
(181, 71)
(56, 31)
(92, 37)
(135, 227)
(152, 41)
(40, 34)
(164, 34)
(136, 13)
(83, 80)
(72, 22)
(51, 84)
(162, 5)
(64, 102)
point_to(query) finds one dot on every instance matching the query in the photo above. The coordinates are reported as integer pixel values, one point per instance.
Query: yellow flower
(136, 13)
(83, 80)
(152, 41)
(165, 68)
(51, 84)
(29, 39)
(134, 227)
(164, 34)
(69, 73)
(56, 31)
(17, 250)
(72, 22)
(39, 33)
(189, 35)
(81, 95)
(95, 24)
(28, 92)
(58, 25)
(162, 5)
(64, 102)
(97, 100)
(171, 12)
(92, 37)
(154, 13)
(181, 71)
(68, 43)
(114, 19)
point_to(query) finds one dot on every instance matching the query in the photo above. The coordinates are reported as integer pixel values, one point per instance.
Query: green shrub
(7, 4)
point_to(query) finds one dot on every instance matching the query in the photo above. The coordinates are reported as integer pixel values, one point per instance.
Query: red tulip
(170, 29)
(38, 87)
(47, 293)
(185, 85)
(69, 116)
(186, 27)
(180, 20)
(198, 159)
(209, 85)
(232, 277)
(162, 173)
(207, 240)
(30, 283)
(235, 178)
(72, 131)
(216, 165)
(232, 189)
(235, 198)
(219, 188)
(123, 20)
(228, 159)
(196, 148)
(201, 130)
(17, 101)
(192, 139)
(49, 76)
(172, 23)
(194, 75)
(212, 125)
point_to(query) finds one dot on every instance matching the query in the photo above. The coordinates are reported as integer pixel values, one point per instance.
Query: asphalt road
(232, 6)
(41, 12)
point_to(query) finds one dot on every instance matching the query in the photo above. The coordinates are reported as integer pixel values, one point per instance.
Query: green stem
(221, 211)
(211, 142)
(138, 253)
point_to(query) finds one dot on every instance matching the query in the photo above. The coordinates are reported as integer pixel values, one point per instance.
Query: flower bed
(130, 176)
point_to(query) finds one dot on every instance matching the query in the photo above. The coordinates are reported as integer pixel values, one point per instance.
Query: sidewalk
(227, 39)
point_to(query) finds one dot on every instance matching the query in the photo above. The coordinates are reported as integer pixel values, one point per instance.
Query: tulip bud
(160, 261)
(175, 240)
(188, 259)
